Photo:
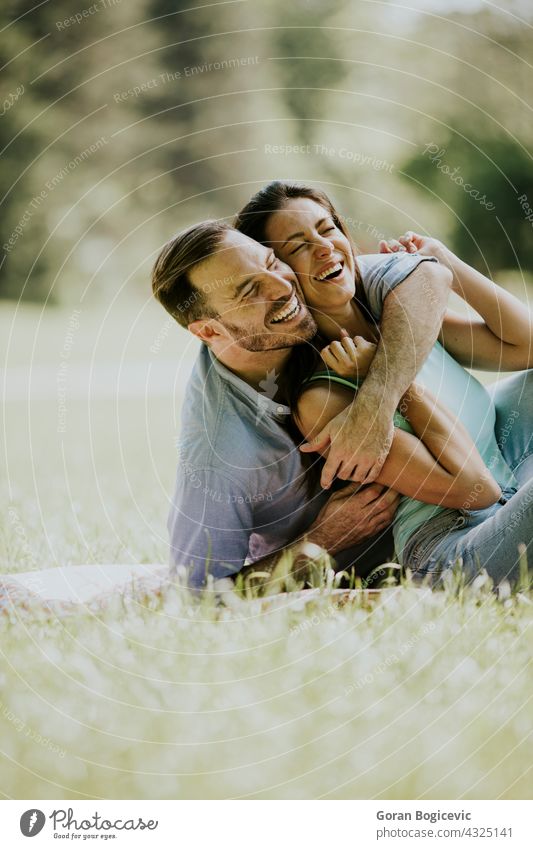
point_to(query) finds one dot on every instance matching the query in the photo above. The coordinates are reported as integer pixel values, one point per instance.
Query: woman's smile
(305, 236)
(331, 271)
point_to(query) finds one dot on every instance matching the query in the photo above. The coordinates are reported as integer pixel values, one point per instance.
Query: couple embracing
(330, 402)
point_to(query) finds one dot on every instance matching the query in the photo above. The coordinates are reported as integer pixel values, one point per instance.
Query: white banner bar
(269, 824)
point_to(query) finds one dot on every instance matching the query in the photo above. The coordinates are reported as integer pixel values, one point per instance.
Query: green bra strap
(399, 420)
(335, 378)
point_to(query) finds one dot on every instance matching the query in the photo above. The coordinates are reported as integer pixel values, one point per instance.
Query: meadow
(421, 695)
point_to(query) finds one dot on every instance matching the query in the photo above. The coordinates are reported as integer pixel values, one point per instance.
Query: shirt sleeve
(381, 273)
(209, 523)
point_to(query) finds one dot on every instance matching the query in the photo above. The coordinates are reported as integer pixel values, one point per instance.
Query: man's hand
(358, 440)
(349, 517)
(349, 357)
(352, 516)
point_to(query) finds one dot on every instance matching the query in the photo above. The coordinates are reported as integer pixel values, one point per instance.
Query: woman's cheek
(313, 298)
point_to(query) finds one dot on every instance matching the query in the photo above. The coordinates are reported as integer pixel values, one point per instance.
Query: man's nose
(278, 287)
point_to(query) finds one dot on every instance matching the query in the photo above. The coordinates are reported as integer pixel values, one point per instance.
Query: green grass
(425, 695)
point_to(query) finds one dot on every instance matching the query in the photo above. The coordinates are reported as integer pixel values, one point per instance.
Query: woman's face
(304, 235)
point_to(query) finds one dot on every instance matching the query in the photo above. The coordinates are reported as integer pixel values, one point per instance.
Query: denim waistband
(421, 545)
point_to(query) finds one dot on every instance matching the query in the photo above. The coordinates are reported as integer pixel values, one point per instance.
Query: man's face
(256, 296)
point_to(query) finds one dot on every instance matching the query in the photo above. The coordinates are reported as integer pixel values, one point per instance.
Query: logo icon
(269, 388)
(32, 822)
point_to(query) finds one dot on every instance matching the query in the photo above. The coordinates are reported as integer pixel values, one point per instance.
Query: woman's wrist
(450, 260)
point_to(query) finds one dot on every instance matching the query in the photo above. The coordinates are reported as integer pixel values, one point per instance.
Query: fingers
(371, 493)
(364, 470)
(349, 346)
(393, 245)
(330, 470)
(409, 243)
(372, 474)
(333, 352)
(412, 241)
(380, 523)
(355, 472)
(346, 492)
(329, 359)
(387, 503)
(318, 444)
(340, 355)
(336, 349)
(379, 514)
(409, 246)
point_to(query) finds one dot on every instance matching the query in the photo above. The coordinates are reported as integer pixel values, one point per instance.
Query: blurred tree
(306, 54)
(482, 180)
(21, 228)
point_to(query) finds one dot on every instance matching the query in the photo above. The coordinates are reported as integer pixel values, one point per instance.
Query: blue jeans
(488, 538)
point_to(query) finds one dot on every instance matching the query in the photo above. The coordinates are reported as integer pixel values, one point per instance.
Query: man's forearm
(410, 324)
(349, 518)
(321, 539)
(271, 572)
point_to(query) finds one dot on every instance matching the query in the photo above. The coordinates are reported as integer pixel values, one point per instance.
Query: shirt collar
(261, 401)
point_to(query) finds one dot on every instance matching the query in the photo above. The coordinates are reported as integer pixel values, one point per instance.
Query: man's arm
(348, 518)
(360, 438)
(211, 521)
(501, 337)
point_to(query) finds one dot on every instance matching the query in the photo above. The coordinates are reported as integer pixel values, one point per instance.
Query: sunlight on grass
(422, 695)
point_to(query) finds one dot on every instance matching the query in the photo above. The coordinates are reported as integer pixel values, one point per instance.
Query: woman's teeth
(332, 271)
(290, 312)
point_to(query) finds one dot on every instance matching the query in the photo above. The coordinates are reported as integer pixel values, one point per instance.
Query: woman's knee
(513, 395)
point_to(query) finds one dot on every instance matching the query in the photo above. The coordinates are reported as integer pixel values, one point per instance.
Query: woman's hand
(349, 357)
(414, 243)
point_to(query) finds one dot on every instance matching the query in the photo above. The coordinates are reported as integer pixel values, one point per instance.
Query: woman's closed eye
(295, 250)
(300, 245)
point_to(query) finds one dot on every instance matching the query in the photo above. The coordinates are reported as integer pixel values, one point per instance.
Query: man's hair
(171, 282)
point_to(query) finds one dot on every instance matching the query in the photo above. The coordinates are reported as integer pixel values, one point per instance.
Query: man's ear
(207, 330)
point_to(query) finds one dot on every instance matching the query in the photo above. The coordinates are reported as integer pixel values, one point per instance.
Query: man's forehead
(238, 255)
(238, 248)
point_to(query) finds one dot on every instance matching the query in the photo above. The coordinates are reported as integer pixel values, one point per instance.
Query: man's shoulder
(217, 431)
(381, 273)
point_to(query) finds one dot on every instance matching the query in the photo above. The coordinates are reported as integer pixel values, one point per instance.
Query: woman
(482, 516)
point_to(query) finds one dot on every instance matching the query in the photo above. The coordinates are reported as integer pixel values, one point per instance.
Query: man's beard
(255, 341)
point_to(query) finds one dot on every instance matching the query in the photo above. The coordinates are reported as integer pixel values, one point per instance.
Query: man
(241, 485)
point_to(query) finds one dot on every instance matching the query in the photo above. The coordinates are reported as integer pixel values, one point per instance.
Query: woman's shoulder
(322, 373)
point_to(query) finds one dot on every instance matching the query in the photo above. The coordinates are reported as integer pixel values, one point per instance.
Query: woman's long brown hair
(252, 221)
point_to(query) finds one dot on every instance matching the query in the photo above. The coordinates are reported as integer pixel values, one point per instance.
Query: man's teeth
(289, 312)
(331, 270)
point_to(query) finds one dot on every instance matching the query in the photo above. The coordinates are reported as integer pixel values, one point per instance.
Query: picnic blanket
(71, 589)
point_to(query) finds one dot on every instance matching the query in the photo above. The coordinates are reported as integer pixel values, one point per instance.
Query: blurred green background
(124, 121)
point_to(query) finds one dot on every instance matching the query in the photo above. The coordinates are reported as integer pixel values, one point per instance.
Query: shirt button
(281, 410)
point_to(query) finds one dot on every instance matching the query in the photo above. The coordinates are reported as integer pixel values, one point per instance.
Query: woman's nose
(323, 247)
